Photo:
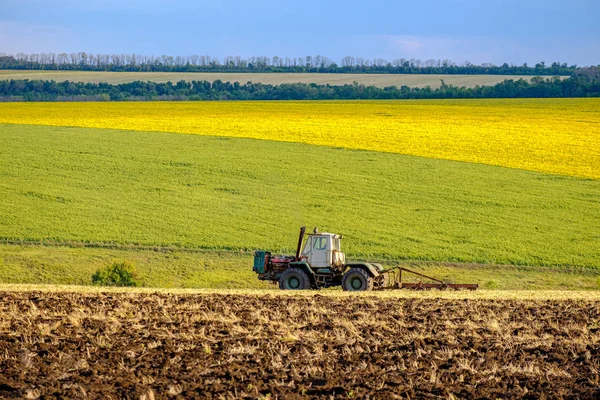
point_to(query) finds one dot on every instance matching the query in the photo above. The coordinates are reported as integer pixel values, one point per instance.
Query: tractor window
(320, 243)
(307, 246)
(336, 244)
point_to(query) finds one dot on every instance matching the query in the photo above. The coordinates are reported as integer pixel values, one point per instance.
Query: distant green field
(72, 185)
(379, 80)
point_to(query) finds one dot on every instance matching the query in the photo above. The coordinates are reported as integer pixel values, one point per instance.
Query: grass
(379, 80)
(559, 136)
(69, 185)
(173, 269)
(64, 265)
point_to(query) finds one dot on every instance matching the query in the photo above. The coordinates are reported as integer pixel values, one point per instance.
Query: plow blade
(440, 286)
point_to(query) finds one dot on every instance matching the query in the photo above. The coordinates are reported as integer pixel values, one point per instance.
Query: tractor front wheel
(294, 279)
(357, 279)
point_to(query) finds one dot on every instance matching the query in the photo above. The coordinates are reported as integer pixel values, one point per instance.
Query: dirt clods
(166, 346)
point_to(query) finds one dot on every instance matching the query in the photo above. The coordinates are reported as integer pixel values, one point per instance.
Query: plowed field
(125, 345)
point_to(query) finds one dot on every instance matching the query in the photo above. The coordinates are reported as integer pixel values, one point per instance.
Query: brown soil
(145, 346)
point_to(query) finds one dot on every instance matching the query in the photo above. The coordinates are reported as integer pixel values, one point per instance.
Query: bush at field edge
(116, 274)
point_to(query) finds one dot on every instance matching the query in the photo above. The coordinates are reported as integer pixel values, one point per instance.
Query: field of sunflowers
(558, 136)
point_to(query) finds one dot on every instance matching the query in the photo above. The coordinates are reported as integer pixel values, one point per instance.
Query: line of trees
(80, 61)
(586, 83)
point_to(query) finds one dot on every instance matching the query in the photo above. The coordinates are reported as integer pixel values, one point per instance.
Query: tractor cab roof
(335, 235)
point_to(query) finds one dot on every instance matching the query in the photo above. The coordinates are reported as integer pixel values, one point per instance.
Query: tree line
(81, 61)
(586, 83)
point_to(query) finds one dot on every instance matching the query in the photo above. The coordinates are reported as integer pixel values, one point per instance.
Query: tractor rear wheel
(294, 279)
(357, 279)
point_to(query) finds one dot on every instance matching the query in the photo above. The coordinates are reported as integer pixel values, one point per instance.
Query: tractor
(320, 263)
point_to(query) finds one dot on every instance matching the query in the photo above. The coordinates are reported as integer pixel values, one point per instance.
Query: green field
(176, 268)
(223, 197)
(379, 80)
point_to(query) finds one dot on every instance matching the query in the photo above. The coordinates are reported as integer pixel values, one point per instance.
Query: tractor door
(307, 249)
(338, 259)
(318, 253)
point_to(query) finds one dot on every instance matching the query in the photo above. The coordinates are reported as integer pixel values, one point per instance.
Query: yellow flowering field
(559, 136)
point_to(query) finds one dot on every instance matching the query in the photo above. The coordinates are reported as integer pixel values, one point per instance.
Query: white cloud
(423, 47)
(30, 38)
(405, 43)
(484, 49)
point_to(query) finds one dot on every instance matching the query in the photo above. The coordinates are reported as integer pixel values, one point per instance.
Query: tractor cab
(323, 250)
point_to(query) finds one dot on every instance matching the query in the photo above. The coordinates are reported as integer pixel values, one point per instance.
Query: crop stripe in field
(116, 246)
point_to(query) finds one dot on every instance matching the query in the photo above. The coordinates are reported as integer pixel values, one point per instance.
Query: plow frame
(393, 280)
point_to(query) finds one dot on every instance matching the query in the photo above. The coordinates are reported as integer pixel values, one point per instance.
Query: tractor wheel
(357, 279)
(294, 279)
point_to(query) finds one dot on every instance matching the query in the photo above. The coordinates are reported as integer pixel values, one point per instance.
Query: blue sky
(460, 30)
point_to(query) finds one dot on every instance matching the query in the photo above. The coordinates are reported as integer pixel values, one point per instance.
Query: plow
(395, 281)
(320, 263)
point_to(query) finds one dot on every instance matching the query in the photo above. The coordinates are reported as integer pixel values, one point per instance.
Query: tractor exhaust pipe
(299, 248)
